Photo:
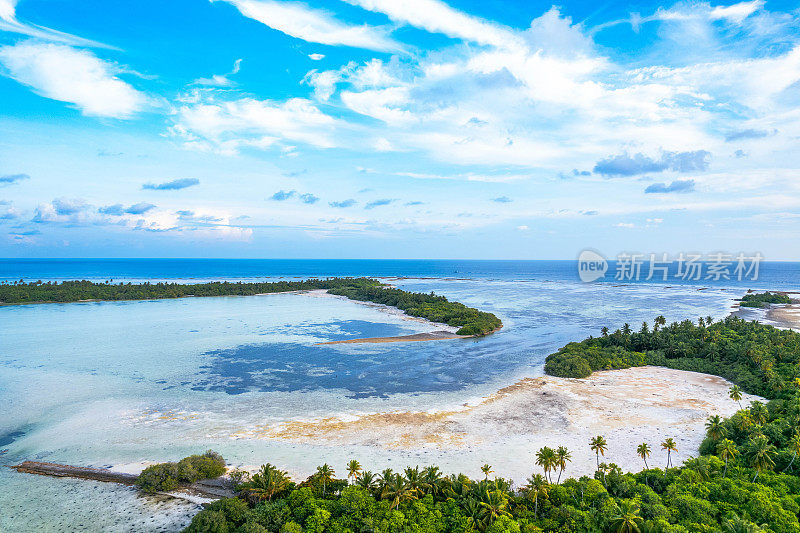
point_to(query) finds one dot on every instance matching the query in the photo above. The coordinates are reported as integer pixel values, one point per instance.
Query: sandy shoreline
(782, 316)
(628, 407)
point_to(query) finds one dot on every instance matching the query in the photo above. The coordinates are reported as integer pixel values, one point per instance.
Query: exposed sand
(628, 407)
(415, 337)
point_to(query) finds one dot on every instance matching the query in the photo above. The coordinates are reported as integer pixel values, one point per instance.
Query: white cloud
(209, 123)
(220, 80)
(9, 22)
(71, 75)
(736, 13)
(438, 17)
(316, 57)
(316, 26)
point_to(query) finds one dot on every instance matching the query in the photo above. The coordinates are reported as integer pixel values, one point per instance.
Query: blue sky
(391, 129)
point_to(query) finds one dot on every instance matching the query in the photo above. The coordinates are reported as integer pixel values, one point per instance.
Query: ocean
(119, 383)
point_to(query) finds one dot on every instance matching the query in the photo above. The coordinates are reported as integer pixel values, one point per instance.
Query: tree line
(429, 306)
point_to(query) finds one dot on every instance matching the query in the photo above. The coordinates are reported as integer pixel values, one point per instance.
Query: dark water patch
(9, 438)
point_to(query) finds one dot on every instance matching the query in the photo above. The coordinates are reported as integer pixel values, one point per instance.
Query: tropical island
(764, 299)
(469, 321)
(746, 477)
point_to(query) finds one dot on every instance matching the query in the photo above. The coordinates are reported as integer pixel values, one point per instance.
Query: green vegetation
(764, 299)
(429, 306)
(168, 476)
(760, 359)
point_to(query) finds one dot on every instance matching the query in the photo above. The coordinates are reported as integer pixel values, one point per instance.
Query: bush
(168, 476)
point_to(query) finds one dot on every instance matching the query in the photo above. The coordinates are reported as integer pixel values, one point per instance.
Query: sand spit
(628, 407)
(431, 336)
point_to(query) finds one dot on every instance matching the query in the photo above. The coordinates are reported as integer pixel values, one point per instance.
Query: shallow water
(121, 382)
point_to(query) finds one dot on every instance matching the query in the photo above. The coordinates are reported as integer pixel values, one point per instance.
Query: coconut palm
(384, 478)
(486, 469)
(599, 446)
(604, 331)
(735, 394)
(709, 320)
(714, 427)
(740, 525)
(495, 505)
(267, 482)
(561, 459)
(325, 474)
(758, 413)
(726, 450)
(627, 519)
(414, 479)
(398, 491)
(353, 469)
(626, 329)
(366, 480)
(546, 458)
(658, 322)
(644, 452)
(433, 479)
(760, 454)
(669, 446)
(794, 445)
(536, 487)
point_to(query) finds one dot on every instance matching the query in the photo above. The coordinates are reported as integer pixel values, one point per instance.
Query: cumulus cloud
(221, 80)
(140, 208)
(627, 165)
(213, 122)
(280, 196)
(70, 75)
(9, 179)
(378, 203)
(739, 135)
(308, 198)
(67, 206)
(313, 25)
(172, 185)
(343, 203)
(677, 186)
(502, 200)
(114, 210)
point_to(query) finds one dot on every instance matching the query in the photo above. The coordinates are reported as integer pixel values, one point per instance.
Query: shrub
(167, 476)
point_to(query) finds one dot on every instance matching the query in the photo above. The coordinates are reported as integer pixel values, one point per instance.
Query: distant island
(431, 307)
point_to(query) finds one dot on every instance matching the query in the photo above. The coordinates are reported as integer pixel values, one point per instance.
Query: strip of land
(415, 337)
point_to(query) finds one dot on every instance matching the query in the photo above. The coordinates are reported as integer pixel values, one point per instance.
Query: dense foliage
(761, 359)
(169, 476)
(429, 306)
(763, 299)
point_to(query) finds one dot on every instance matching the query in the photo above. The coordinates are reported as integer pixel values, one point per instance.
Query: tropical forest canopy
(764, 299)
(429, 306)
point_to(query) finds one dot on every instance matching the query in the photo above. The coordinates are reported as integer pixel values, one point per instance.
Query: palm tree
(644, 452)
(727, 450)
(604, 331)
(546, 458)
(414, 479)
(739, 525)
(384, 479)
(659, 321)
(537, 487)
(709, 320)
(670, 446)
(353, 469)
(366, 480)
(626, 329)
(627, 519)
(714, 427)
(495, 505)
(398, 491)
(433, 479)
(561, 459)
(486, 469)
(599, 446)
(761, 453)
(758, 413)
(735, 394)
(325, 474)
(267, 482)
(794, 445)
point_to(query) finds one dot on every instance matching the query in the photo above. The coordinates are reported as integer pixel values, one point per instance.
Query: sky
(398, 129)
